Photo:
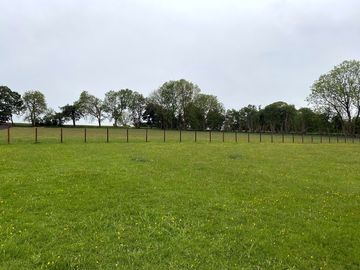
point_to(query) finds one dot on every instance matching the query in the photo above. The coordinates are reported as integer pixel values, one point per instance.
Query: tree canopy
(338, 92)
(10, 104)
(115, 104)
(72, 112)
(92, 106)
(35, 106)
(172, 100)
(180, 104)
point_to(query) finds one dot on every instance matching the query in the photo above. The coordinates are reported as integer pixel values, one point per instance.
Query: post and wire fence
(131, 135)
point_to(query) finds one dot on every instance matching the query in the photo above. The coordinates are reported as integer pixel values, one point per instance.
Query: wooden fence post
(223, 136)
(164, 135)
(320, 138)
(36, 135)
(272, 137)
(107, 135)
(146, 135)
(85, 135)
(61, 135)
(337, 138)
(236, 136)
(8, 135)
(293, 138)
(209, 135)
(127, 135)
(260, 136)
(180, 136)
(248, 137)
(282, 137)
(195, 136)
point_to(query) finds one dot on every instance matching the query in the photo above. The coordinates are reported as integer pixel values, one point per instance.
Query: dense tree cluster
(181, 105)
(10, 104)
(338, 93)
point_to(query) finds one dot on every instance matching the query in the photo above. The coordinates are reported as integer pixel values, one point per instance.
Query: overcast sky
(243, 51)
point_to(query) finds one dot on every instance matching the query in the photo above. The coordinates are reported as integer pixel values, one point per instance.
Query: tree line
(335, 100)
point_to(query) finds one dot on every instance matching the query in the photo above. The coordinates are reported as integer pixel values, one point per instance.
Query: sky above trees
(244, 52)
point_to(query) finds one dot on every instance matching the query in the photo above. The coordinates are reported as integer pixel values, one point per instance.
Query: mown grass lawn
(179, 206)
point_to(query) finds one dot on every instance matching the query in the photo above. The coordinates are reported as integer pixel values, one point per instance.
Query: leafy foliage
(92, 106)
(72, 112)
(179, 104)
(136, 108)
(338, 92)
(173, 101)
(115, 103)
(35, 106)
(10, 104)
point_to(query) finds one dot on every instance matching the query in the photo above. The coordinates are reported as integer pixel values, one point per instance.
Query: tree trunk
(99, 121)
(303, 126)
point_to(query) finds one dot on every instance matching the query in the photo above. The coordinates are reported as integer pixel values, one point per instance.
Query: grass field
(179, 206)
(19, 135)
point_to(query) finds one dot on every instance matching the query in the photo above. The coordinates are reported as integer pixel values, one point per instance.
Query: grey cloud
(242, 51)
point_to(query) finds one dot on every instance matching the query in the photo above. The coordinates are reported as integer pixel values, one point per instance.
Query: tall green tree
(327, 122)
(279, 116)
(35, 106)
(339, 91)
(92, 106)
(152, 114)
(174, 98)
(116, 102)
(72, 112)
(249, 118)
(166, 98)
(186, 92)
(232, 120)
(215, 119)
(53, 118)
(306, 120)
(209, 111)
(10, 104)
(195, 117)
(136, 108)
(261, 120)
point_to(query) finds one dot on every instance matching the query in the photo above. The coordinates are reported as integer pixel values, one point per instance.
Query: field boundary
(35, 135)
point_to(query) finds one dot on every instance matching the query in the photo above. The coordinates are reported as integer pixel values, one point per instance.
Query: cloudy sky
(243, 51)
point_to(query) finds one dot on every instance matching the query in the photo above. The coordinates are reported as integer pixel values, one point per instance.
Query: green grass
(26, 135)
(179, 206)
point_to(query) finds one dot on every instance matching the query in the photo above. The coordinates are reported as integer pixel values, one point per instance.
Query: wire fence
(18, 135)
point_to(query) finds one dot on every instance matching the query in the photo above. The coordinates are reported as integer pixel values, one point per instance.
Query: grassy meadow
(177, 205)
(90, 134)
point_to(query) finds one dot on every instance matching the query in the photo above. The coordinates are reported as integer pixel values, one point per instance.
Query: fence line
(19, 134)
